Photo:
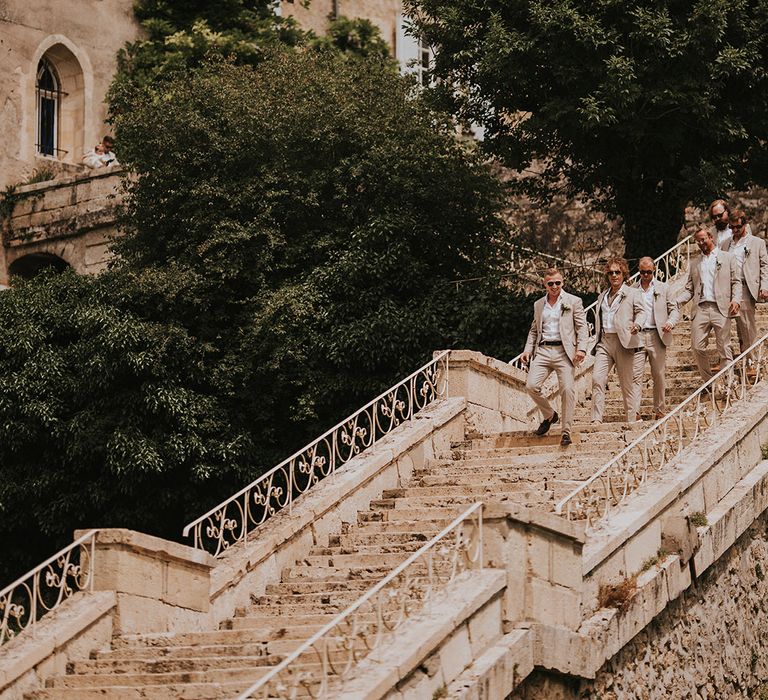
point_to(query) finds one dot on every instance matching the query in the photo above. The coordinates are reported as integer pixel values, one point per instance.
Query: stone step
(394, 514)
(188, 691)
(143, 666)
(88, 680)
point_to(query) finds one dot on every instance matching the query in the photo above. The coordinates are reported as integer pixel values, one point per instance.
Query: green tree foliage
(639, 106)
(311, 213)
(292, 236)
(107, 419)
(179, 34)
(354, 37)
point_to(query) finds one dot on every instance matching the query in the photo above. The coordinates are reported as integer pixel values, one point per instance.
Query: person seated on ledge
(101, 155)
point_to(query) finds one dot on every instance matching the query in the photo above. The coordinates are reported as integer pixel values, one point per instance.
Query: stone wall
(70, 219)
(81, 39)
(710, 643)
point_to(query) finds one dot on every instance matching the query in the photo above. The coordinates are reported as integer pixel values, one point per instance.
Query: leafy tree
(107, 419)
(293, 233)
(638, 106)
(179, 34)
(304, 217)
(355, 37)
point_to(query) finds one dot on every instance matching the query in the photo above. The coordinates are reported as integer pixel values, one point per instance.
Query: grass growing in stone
(698, 519)
(617, 595)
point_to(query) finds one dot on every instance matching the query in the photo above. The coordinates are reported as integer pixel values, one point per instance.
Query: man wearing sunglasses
(719, 215)
(618, 322)
(714, 285)
(661, 316)
(752, 260)
(557, 342)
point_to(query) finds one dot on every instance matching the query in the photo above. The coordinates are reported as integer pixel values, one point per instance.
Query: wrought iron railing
(669, 265)
(232, 520)
(318, 665)
(666, 439)
(44, 588)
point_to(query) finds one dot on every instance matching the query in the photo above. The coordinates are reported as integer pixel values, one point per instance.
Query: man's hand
(634, 328)
(763, 294)
(524, 358)
(578, 358)
(667, 327)
(733, 309)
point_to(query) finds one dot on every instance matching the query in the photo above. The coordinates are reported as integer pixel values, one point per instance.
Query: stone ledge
(149, 544)
(85, 176)
(329, 493)
(678, 477)
(498, 671)
(421, 636)
(536, 518)
(732, 517)
(53, 632)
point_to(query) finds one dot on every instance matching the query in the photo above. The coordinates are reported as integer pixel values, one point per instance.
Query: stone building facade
(57, 59)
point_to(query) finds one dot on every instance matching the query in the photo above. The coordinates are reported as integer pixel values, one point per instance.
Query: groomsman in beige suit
(752, 260)
(557, 342)
(714, 285)
(661, 316)
(619, 319)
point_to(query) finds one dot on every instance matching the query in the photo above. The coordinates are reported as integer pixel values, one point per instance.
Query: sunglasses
(554, 283)
(715, 217)
(615, 272)
(737, 225)
(646, 272)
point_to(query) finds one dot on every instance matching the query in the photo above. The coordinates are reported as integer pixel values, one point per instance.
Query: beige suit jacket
(755, 270)
(664, 309)
(630, 312)
(574, 331)
(727, 283)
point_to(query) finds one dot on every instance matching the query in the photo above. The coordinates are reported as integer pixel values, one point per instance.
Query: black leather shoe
(565, 440)
(546, 424)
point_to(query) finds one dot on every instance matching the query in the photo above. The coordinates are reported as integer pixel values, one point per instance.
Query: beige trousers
(746, 326)
(548, 359)
(708, 318)
(629, 369)
(656, 352)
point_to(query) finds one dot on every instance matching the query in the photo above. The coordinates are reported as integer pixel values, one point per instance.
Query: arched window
(48, 90)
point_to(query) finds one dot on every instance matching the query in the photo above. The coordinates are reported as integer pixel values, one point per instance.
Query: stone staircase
(513, 467)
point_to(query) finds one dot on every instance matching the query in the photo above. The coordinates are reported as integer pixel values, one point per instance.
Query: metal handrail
(666, 439)
(671, 263)
(232, 520)
(27, 599)
(364, 625)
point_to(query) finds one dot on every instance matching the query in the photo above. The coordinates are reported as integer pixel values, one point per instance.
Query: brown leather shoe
(565, 440)
(659, 415)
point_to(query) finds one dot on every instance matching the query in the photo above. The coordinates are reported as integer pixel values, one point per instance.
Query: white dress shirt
(739, 250)
(707, 270)
(609, 310)
(650, 318)
(550, 320)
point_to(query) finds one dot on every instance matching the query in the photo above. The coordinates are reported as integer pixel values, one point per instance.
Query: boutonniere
(746, 253)
(621, 297)
(718, 265)
(655, 295)
(565, 308)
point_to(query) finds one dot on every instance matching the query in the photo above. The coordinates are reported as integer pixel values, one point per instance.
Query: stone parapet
(541, 555)
(702, 480)
(495, 391)
(160, 585)
(72, 631)
(432, 649)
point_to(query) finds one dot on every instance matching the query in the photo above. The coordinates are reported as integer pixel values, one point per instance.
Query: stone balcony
(66, 222)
